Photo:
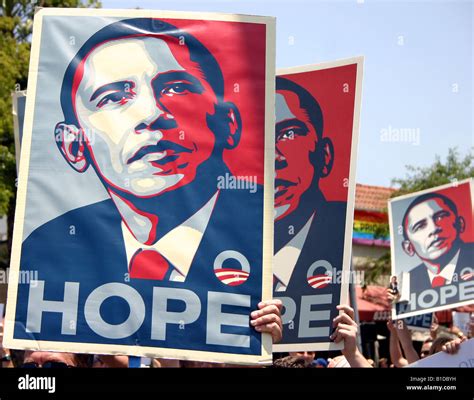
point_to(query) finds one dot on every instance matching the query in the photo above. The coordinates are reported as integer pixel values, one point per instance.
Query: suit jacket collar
(287, 257)
(179, 245)
(448, 270)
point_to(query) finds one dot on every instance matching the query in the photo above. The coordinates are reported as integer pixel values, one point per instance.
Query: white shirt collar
(179, 245)
(285, 260)
(447, 272)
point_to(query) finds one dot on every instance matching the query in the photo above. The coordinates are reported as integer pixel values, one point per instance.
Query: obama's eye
(290, 133)
(120, 98)
(419, 225)
(114, 93)
(439, 216)
(179, 89)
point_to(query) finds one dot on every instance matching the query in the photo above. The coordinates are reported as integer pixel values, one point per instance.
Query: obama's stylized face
(302, 156)
(143, 108)
(295, 140)
(431, 228)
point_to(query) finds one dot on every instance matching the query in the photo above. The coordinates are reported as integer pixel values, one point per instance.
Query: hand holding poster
(317, 123)
(143, 222)
(432, 243)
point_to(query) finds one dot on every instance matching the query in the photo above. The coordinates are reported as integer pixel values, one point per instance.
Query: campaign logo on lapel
(467, 274)
(319, 274)
(231, 268)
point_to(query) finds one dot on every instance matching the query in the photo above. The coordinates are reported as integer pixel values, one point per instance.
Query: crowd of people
(268, 319)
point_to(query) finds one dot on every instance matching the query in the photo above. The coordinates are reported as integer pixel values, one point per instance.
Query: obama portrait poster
(432, 248)
(144, 214)
(316, 132)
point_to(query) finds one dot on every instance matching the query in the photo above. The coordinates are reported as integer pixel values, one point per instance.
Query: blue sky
(419, 68)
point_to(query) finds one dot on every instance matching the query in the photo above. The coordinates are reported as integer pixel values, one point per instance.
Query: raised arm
(404, 335)
(395, 351)
(347, 330)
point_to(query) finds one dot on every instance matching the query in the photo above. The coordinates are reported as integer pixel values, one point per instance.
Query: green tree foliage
(374, 269)
(23, 11)
(14, 57)
(16, 23)
(455, 168)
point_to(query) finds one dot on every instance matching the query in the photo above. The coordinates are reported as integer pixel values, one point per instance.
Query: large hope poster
(144, 214)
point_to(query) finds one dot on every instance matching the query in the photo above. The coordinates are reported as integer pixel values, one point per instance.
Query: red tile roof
(372, 198)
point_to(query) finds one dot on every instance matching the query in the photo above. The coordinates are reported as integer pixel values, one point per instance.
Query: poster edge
(152, 13)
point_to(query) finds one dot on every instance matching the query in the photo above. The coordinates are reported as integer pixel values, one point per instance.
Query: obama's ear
(408, 248)
(323, 157)
(460, 225)
(70, 142)
(328, 154)
(226, 123)
(234, 124)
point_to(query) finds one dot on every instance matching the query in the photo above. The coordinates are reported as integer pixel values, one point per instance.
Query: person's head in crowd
(338, 362)
(425, 348)
(289, 362)
(110, 361)
(50, 359)
(200, 364)
(320, 363)
(165, 363)
(5, 358)
(306, 356)
(438, 344)
(17, 357)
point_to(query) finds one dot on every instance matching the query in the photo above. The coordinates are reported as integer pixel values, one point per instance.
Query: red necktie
(148, 264)
(438, 281)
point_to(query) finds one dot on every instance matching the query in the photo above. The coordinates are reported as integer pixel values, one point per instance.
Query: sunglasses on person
(47, 364)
